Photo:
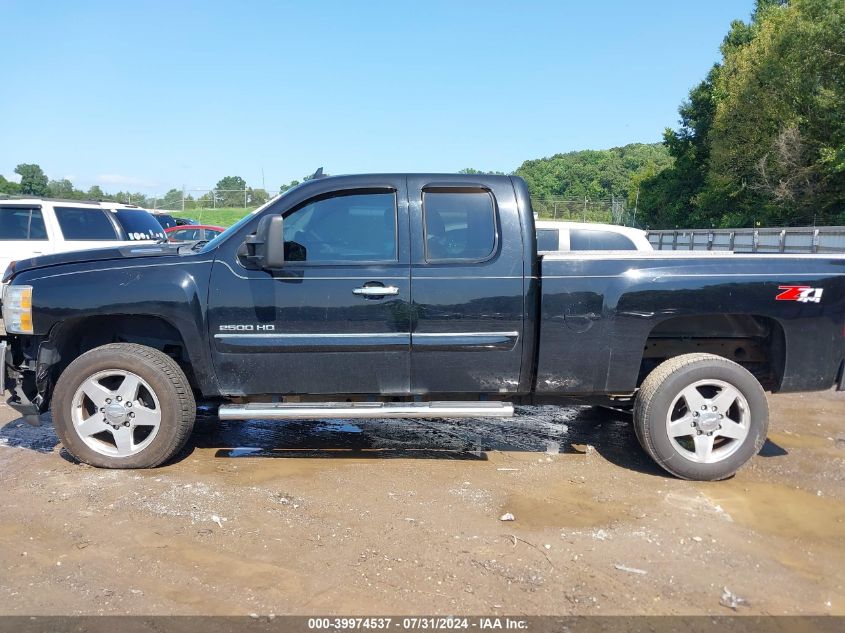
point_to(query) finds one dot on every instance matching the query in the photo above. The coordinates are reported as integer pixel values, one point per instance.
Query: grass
(215, 217)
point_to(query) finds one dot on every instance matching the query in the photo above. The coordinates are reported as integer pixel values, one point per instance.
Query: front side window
(21, 223)
(85, 224)
(590, 240)
(460, 225)
(343, 227)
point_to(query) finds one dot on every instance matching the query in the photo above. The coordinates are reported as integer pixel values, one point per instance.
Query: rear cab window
(460, 224)
(592, 240)
(83, 224)
(548, 239)
(22, 224)
(138, 224)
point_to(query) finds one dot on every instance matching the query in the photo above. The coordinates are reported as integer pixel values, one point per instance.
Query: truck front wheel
(701, 416)
(123, 406)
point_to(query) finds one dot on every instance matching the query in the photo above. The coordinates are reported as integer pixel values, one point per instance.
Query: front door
(336, 318)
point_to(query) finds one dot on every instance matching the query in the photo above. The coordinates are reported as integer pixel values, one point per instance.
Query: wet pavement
(403, 516)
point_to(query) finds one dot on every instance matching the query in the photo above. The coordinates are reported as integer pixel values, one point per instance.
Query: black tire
(164, 377)
(660, 391)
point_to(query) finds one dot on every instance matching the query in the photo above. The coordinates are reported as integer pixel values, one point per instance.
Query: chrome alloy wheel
(116, 413)
(708, 421)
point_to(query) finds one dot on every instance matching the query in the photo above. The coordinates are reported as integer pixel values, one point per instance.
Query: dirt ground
(403, 517)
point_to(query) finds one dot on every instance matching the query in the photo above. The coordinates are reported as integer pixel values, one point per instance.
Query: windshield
(139, 224)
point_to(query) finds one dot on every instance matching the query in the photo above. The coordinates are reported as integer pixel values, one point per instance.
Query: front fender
(174, 290)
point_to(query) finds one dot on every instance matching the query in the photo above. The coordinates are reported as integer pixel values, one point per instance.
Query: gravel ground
(404, 516)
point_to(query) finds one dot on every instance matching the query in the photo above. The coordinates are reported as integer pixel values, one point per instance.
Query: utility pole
(183, 199)
(584, 219)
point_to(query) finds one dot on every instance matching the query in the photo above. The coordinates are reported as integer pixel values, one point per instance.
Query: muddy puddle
(404, 516)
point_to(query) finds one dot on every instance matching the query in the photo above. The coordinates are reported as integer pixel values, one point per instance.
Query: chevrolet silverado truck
(414, 295)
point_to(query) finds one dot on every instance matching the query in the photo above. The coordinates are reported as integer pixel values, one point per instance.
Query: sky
(148, 96)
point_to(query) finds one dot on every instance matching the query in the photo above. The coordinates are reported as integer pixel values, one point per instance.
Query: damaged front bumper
(13, 379)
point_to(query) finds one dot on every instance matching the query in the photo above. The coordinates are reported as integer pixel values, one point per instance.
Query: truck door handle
(376, 291)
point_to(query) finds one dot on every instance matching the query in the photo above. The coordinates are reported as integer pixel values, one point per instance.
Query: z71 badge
(801, 294)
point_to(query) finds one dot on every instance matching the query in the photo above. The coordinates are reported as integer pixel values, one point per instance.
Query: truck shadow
(543, 430)
(546, 431)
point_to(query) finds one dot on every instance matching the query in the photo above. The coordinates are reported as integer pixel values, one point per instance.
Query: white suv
(30, 227)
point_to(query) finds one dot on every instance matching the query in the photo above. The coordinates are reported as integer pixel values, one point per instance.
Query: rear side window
(460, 225)
(85, 224)
(585, 240)
(548, 240)
(22, 223)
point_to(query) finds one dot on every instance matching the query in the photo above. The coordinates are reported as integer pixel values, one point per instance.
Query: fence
(822, 239)
(612, 211)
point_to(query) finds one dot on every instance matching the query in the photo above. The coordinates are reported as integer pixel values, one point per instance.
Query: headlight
(17, 309)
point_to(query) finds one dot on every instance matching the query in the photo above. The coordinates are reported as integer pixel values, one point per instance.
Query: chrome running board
(358, 410)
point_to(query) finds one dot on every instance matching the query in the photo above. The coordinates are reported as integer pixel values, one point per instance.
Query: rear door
(23, 234)
(336, 318)
(467, 286)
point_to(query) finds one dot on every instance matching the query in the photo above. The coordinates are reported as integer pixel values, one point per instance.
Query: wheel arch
(72, 337)
(756, 342)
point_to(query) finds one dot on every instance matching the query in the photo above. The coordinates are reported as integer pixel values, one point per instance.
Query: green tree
(762, 139)
(9, 186)
(470, 170)
(594, 174)
(33, 179)
(171, 200)
(290, 185)
(60, 189)
(257, 197)
(229, 191)
(95, 193)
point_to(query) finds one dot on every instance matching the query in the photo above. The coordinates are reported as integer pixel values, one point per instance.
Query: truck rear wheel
(701, 416)
(123, 406)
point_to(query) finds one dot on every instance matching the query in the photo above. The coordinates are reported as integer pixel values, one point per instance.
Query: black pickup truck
(414, 295)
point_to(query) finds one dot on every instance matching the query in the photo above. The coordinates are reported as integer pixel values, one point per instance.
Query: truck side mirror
(265, 248)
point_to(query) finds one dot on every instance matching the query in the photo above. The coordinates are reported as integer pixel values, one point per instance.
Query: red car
(193, 233)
